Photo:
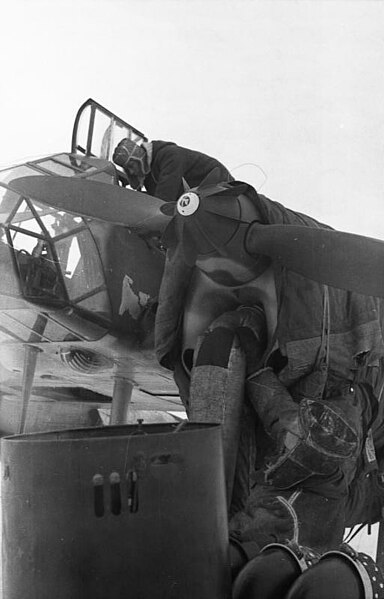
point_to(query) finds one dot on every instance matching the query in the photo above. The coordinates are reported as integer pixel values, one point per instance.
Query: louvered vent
(85, 361)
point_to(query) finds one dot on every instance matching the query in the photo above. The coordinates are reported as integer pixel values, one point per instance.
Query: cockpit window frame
(114, 121)
(37, 212)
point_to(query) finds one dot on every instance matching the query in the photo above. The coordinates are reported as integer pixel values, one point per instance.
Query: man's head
(133, 158)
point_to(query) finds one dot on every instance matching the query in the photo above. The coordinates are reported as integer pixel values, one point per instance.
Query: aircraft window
(99, 302)
(105, 171)
(72, 165)
(75, 161)
(80, 264)
(73, 258)
(82, 129)
(25, 219)
(122, 132)
(25, 243)
(112, 135)
(56, 168)
(8, 201)
(9, 174)
(55, 332)
(11, 323)
(22, 322)
(97, 131)
(9, 284)
(101, 139)
(58, 223)
(106, 135)
(39, 275)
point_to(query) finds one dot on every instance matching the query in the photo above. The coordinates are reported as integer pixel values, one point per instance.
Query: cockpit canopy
(97, 131)
(54, 253)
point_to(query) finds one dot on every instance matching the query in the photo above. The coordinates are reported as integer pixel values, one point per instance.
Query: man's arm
(315, 436)
(169, 165)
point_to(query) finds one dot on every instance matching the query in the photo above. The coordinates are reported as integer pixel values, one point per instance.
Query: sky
(288, 94)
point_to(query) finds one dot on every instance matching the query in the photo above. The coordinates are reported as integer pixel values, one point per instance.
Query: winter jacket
(355, 321)
(354, 340)
(171, 163)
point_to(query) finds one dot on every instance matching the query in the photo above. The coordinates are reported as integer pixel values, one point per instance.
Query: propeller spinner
(210, 223)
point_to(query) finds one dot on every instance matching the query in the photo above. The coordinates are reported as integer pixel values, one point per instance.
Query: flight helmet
(133, 158)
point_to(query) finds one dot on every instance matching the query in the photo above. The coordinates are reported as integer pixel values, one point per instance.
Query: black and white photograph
(192, 299)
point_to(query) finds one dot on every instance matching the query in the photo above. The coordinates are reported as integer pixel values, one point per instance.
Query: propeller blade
(168, 208)
(93, 199)
(334, 258)
(211, 178)
(176, 233)
(188, 246)
(231, 189)
(170, 236)
(226, 207)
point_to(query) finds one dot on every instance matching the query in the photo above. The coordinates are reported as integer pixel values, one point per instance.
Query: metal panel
(115, 512)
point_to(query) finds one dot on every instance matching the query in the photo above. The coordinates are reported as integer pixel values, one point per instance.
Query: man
(161, 167)
(306, 406)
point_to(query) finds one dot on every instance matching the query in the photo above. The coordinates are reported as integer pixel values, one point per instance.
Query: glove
(272, 403)
(312, 436)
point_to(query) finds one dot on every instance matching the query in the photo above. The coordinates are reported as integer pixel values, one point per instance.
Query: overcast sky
(294, 88)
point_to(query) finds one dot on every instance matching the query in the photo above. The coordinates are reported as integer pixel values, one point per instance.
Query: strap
(322, 359)
(353, 532)
(288, 504)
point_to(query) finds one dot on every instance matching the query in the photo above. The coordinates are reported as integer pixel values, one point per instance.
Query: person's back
(162, 167)
(172, 163)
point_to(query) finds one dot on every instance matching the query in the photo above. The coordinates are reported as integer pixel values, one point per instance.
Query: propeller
(207, 219)
(335, 258)
(94, 199)
(204, 220)
(216, 220)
